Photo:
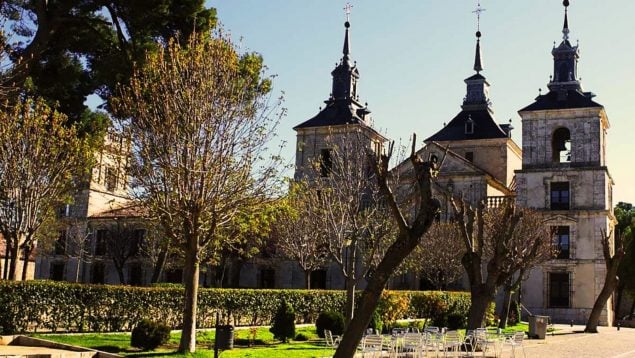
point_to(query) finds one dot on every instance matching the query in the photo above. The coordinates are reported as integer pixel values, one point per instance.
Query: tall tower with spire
(342, 116)
(565, 175)
(482, 156)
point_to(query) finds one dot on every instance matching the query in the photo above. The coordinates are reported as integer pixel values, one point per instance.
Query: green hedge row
(55, 306)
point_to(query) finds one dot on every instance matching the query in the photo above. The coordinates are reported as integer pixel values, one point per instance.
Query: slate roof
(485, 127)
(337, 112)
(557, 99)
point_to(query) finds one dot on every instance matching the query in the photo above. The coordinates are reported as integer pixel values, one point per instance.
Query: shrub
(331, 320)
(490, 315)
(376, 323)
(514, 313)
(148, 335)
(456, 321)
(393, 305)
(283, 324)
(301, 337)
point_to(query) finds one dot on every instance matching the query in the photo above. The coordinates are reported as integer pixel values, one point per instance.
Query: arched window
(561, 146)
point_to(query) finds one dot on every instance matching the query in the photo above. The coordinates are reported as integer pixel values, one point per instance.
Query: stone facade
(587, 212)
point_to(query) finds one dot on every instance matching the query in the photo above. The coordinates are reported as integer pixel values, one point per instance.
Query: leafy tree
(41, 158)
(625, 215)
(72, 49)
(503, 241)
(199, 130)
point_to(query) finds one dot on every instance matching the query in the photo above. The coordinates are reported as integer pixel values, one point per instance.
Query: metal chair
(330, 339)
(515, 341)
(412, 343)
(451, 342)
(483, 341)
(372, 343)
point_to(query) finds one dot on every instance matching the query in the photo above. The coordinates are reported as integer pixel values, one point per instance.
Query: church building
(564, 175)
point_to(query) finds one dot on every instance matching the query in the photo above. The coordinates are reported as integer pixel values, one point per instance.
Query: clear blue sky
(414, 54)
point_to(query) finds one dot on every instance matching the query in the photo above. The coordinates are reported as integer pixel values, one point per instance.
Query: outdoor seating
(330, 339)
(412, 343)
(484, 341)
(451, 343)
(515, 341)
(373, 344)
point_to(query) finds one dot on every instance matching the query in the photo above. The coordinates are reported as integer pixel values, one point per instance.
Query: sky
(413, 56)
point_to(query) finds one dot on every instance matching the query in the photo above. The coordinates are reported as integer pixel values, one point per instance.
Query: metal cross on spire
(347, 11)
(479, 10)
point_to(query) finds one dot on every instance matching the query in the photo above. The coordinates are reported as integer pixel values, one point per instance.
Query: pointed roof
(565, 90)
(476, 109)
(478, 60)
(343, 107)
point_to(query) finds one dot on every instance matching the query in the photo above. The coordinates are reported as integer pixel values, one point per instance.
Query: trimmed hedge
(33, 306)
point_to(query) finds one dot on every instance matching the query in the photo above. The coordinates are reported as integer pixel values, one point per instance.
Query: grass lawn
(263, 345)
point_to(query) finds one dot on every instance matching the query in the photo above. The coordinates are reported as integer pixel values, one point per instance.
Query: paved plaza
(569, 342)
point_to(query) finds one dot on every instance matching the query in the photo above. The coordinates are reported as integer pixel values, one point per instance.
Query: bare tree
(199, 127)
(297, 233)
(123, 240)
(346, 209)
(437, 258)
(503, 241)
(39, 157)
(612, 259)
(410, 233)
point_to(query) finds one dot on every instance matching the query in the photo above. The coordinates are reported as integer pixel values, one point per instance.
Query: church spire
(478, 58)
(565, 28)
(477, 86)
(345, 75)
(565, 60)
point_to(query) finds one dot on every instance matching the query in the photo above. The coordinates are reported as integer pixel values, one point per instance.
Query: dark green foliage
(58, 306)
(376, 322)
(148, 335)
(456, 320)
(283, 324)
(331, 320)
(75, 48)
(301, 337)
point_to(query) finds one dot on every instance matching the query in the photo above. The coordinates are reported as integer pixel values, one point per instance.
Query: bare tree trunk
(120, 274)
(507, 300)
(610, 282)
(630, 313)
(25, 264)
(7, 253)
(618, 301)
(158, 267)
(15, 256)
(350, 299)
(190, 276)
(307, 279)
(481, 297)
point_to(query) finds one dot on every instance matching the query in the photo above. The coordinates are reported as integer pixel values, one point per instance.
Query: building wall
(590, 213)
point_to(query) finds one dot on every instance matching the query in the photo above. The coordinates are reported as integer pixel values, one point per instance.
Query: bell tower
(565, 175)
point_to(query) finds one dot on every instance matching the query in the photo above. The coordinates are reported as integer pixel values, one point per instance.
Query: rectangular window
(57, 271)
(318, 279)
(98, 273)
(135, 274)
(560, 196)
(469, 156)
(267, 278)
(326, 162)
(562, 242)
(559, 290)
(101, 242)
(110, 179)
